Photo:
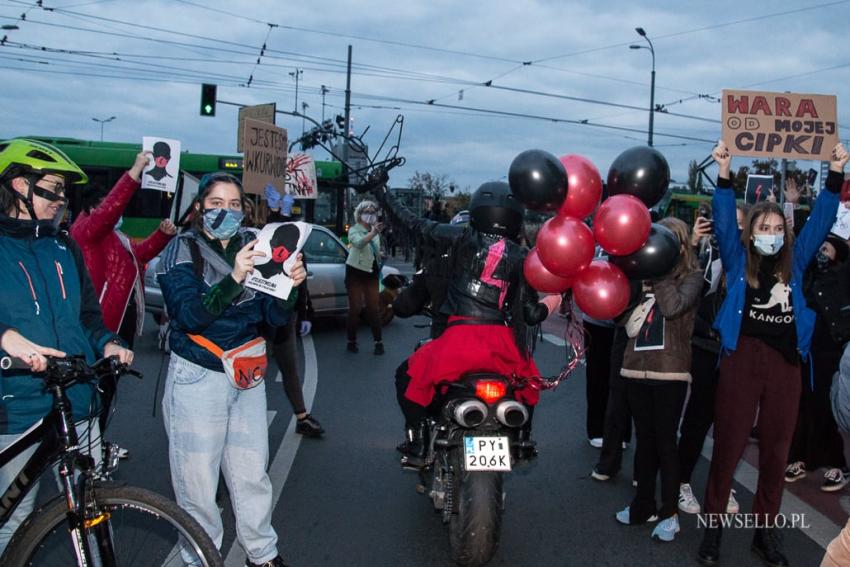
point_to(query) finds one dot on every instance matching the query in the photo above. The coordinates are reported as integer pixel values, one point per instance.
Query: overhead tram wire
(260, 56)
(697, 30)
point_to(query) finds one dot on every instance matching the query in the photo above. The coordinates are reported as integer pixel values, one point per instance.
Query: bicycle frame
(58, 438)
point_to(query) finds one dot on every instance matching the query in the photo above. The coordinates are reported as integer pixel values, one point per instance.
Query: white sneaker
(595, 442)
(834, 480)
(687, 501)
(732, 506)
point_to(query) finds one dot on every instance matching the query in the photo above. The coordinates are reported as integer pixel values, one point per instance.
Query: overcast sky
(406, 53)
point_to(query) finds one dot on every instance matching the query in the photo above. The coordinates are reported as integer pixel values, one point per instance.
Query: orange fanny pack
(245, 365)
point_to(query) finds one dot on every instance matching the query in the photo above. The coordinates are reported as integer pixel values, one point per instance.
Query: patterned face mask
(222, 223)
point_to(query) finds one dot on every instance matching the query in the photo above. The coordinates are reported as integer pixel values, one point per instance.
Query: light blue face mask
(768, 244)
(222, 223)
(119, 223)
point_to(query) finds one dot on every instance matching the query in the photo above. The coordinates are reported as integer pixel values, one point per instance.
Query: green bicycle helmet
(21, 157)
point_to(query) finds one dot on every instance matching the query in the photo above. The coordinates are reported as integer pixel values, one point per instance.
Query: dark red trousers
(754, 378)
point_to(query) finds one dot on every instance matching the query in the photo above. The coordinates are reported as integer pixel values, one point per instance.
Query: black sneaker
(276, 562)
(795, 471)
(379, 347)
(767, 544)
(709, 549)
(834, 480)
(352, 346)
(309, 426)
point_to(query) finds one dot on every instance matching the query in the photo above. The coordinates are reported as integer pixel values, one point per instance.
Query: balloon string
(574, 347)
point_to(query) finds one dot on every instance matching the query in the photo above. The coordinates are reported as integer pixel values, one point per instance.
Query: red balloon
(542, 279)
(601, 290)
(565, 245)
(584, 187)
(621, 225)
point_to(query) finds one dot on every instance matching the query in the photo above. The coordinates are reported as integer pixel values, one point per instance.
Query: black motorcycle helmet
(493, 209)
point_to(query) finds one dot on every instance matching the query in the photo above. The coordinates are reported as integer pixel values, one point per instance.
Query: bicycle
(93, 522)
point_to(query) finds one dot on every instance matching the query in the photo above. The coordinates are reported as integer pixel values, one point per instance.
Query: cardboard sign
(264, 160)
(281, 242)
(161, 173)
(301, 176)
(261, 112)
(759, 188)
(779, 125)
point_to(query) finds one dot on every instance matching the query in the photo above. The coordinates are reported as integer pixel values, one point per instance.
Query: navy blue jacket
(184, 292)
(49, 299)
(733, 256)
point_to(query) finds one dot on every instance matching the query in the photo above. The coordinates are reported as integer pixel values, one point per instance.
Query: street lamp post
(103, 121)
(642, 33)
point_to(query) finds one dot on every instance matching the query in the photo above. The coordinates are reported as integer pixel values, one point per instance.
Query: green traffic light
(208, 109)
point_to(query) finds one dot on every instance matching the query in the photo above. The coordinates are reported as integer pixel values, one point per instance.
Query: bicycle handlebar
(73, 367)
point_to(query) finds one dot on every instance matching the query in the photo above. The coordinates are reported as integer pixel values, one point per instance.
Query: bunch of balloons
(571, 187)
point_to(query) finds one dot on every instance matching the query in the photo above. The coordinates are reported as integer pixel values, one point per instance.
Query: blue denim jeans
(88, 444)
(214, 427)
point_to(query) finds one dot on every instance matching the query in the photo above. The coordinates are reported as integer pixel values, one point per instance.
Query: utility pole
(343, 200)
(296, 74)
(325, 91)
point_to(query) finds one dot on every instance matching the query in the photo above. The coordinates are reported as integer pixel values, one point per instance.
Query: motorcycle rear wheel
(475, 529)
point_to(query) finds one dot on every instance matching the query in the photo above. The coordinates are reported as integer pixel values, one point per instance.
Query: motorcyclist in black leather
(486, 299)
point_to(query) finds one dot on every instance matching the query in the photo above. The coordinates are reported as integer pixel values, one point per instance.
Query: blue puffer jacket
(184, 293)
(733, 256)
(49, 299)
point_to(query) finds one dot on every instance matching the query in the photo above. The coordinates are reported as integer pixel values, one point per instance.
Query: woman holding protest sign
(214, 405)
(765, 334)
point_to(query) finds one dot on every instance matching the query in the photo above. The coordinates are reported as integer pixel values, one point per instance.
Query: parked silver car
(325, 255)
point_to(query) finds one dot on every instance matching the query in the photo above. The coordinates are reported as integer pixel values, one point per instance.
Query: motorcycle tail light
(491, 390)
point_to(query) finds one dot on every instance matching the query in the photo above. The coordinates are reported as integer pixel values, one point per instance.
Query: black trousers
(656, 408)
(285, 344)
(816, 440)
(413, 412)
(618, 418)
(599, 341)
(699, 413)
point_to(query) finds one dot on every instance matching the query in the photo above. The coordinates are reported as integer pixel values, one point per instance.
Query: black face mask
(823, 261)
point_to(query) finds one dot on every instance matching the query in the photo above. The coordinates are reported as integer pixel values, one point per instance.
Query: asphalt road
(343, 500)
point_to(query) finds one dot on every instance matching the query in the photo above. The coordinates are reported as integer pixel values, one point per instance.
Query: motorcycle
(477, 435)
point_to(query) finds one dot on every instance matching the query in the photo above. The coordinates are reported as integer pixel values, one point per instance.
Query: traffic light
(340, 122)
(208, 100)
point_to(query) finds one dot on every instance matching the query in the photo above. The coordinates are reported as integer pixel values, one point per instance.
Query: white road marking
(557, 341)
(285, 455)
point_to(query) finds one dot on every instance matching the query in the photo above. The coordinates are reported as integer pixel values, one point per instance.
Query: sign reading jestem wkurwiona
(264, 158)
(779, 125)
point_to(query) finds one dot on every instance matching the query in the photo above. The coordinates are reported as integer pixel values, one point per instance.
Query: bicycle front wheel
(126, 526)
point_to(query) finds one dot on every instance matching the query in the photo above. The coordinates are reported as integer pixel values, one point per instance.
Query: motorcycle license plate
(487, 453)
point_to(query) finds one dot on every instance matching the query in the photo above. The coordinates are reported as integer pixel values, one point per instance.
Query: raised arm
(440, 233)
(723, 210)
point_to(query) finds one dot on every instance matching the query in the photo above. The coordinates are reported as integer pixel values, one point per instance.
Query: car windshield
(323, 248)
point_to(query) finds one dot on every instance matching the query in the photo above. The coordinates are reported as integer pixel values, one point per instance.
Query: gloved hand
(273, 197)
(306, 326)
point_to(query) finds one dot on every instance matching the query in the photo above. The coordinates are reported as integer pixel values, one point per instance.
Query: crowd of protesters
(751, 327)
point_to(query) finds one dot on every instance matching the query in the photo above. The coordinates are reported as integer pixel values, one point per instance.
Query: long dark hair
(687, 259)
(205, 186)
(754, 259)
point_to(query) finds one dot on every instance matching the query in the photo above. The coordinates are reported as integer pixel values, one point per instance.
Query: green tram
(105, 162)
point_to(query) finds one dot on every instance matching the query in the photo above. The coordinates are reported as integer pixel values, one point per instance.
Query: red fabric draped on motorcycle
(467, 348)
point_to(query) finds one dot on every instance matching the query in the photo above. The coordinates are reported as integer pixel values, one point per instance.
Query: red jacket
(115, 268)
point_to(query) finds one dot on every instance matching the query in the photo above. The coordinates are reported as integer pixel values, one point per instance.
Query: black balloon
(640, 171)
(538, 179)
(655, 259)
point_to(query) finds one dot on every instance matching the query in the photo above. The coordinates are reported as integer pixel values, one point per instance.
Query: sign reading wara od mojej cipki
(264, 158)
(779, 125)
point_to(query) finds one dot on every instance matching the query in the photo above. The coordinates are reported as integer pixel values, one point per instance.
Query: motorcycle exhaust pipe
(512, 413)
(470, 413)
